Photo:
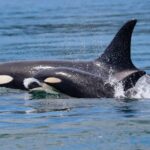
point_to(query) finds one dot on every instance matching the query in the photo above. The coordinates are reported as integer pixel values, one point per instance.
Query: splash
(119, 90)
(118, 86)
(141, 88)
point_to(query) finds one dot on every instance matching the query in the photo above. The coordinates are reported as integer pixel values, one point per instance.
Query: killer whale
(77, 75)
(81, 84)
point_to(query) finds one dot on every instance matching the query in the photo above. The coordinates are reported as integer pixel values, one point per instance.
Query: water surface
(78, 30)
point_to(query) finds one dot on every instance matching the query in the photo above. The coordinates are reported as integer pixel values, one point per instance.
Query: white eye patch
(52, 80)
(5, 79)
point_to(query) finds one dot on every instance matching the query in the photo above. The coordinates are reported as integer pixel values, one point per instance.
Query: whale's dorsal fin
(117, 54)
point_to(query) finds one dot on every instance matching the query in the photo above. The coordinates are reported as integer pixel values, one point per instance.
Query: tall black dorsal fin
(117, 54)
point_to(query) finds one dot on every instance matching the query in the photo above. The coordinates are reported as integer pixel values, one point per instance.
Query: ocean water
(66, 30)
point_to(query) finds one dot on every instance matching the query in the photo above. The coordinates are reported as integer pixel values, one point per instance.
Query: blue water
(79, 30)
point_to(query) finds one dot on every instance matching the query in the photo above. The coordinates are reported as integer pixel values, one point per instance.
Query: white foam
(141, 89)
(119, 90)
(118, 87)
(111, 80)
(28, 81)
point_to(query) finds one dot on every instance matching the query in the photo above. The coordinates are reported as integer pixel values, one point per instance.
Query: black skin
(77, 83)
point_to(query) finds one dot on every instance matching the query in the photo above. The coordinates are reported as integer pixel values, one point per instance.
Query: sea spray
(141, 88)
(118, 86)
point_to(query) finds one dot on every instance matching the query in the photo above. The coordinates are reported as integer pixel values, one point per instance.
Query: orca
(81, 84)
(79, 78)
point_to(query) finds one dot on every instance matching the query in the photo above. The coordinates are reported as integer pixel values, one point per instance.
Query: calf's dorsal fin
(118, 54)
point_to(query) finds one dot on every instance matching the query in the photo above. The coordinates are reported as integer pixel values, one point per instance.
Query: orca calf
(81, 84)
(79, 78)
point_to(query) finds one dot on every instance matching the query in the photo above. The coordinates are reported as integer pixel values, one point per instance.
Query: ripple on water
(77, 30)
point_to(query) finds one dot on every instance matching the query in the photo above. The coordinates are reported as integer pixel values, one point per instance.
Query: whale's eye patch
(5, 79)
(52, 80)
